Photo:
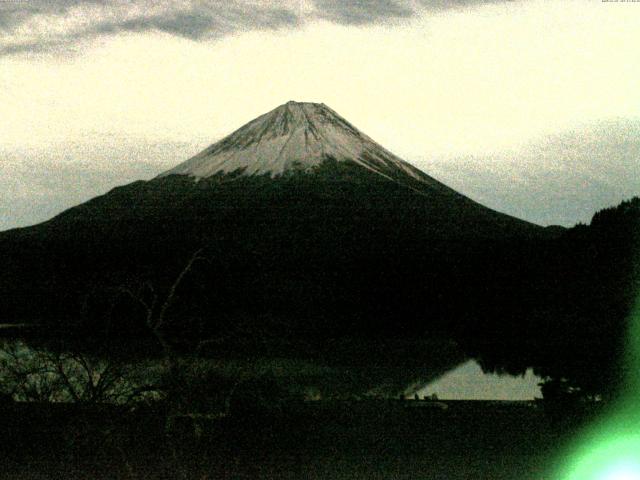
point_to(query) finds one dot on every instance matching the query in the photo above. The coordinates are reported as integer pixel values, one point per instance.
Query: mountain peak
(294, 102)
(296, 136)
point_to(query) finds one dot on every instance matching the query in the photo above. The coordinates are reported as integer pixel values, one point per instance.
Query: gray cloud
(61, 25)
(206, 22)
(435, 5)
(34, 26)
(361, 12)
(365, 12)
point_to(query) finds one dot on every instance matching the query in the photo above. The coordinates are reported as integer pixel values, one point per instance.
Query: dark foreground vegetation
(569, 312)
(233, 278)
(325, 440)
(295, 267)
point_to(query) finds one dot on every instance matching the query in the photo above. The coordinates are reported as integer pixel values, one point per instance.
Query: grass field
(316, 440)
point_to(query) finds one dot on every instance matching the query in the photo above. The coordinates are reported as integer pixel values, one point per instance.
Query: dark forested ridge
(338, 250)
(305, 258)
(569, 309)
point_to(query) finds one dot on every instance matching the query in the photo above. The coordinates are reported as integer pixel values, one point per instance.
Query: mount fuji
(304, 221)
(298, 137)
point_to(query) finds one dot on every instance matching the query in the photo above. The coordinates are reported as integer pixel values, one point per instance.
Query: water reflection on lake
(434, 368)
(469, 382)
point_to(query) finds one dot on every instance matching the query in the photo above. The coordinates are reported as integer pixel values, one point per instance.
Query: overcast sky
(531, 107)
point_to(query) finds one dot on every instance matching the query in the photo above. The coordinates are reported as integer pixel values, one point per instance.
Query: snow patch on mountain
(295, 137)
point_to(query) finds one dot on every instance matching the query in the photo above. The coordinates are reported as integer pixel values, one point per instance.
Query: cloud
(360, 12)
(435, 5)
(61, 25)
(206, 21)
(34, 26)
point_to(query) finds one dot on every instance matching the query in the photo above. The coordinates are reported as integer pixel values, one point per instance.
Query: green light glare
(617, 458)
(623, 472)
(610, 449)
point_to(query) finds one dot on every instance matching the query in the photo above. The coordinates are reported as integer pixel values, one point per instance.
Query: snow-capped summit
(296, 136)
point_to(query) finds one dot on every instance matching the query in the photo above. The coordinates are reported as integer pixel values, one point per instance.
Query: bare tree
(156, 308)
(45, 375)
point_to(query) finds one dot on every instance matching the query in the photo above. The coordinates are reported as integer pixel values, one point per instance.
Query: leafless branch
(197, 255)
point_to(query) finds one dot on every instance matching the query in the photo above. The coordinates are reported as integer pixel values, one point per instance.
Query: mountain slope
(304, 222)
(297, 137)
(311, 138)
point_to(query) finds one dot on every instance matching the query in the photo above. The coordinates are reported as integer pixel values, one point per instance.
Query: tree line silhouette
(295, 263)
